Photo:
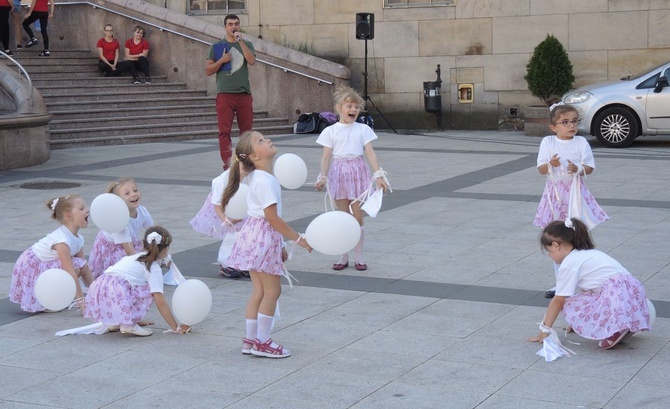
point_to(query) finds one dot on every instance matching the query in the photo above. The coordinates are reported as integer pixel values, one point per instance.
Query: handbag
(578, 208)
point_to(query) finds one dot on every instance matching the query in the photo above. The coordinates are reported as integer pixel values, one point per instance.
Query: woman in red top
(41, 10)
(108, 54)
(137, 50)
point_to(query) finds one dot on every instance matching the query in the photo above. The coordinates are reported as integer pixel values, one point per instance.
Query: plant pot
(537, 121)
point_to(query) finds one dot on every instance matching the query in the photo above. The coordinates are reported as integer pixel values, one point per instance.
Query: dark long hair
(152, 248)
(578, 235)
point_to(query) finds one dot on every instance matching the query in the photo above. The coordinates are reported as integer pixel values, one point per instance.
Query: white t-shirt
(346, 139)
(577, 150)
(585, 270)
(264, 191)
(136, 272)
(219, 184)
(132, 231)
(44, 248)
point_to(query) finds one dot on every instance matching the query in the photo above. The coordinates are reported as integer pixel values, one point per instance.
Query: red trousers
(227, 106)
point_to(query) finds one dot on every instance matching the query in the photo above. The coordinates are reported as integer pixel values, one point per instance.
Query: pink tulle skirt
(207, 222)
(106, 253)
(26, 270)
(619, 304)
(348, 178)
(257, 248)
(556, 195)
(113, 301)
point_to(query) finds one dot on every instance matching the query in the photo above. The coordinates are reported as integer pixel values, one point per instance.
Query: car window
(649, 82)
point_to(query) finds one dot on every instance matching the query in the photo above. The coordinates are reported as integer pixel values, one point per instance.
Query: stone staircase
(91, 110)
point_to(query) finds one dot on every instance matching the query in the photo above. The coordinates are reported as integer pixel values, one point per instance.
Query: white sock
(344, 259)
(264, 327)
(252, 329)
(358, 250)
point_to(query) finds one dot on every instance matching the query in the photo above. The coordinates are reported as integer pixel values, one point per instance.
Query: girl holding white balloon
(121, 297)
(259, 248)
(212, 221)
(599, 298)
(61, 249)
(110, 247)
(343, 167)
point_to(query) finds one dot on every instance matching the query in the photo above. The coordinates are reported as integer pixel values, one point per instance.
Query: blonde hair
(61, 205)
(114, 186)
(345, 93)
(242, 151)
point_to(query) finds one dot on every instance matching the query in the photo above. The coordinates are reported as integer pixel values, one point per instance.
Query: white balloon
(110, 213)
(237, 206)
(290, 170)
(652, 312)
(191, 302)
(55, 289)
(333, 233)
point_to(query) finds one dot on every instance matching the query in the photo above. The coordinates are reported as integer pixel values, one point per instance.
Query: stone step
(162, 137)
(88, 114)
(124, 129)
(129, 103)
(137, 121)
(139, 91)
(109, 89)
(40, 81)
(31, 53)
(56, 61)
(37, 70)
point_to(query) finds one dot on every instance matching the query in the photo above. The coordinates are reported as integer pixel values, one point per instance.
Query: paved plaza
(454, 286)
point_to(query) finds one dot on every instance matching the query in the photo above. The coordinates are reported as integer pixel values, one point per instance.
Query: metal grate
(49, 185)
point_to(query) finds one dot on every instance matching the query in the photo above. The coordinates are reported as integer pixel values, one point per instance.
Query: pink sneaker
(265, 349)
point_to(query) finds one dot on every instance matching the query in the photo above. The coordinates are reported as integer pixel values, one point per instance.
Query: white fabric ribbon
(372, 197)
(173, 276)
(552, 348)
(98, 328)
(153, 236)
(556, 105)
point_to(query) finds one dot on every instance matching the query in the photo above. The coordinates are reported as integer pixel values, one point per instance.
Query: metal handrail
(161, 28)
(22, 70)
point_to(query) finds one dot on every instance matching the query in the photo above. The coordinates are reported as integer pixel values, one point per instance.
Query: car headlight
(577, 97)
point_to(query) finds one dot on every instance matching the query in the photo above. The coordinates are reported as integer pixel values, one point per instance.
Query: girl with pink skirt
(258, 248)
(63, 249)
(121, 297)
(343, 167)
(599, 298)
(108, 248)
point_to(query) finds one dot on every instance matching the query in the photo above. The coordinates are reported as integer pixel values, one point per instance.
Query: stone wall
(486, 43)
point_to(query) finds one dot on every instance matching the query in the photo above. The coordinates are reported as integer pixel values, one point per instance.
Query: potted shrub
(549, 75)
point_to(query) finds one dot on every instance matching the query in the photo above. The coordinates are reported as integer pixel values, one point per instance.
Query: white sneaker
(136, 330)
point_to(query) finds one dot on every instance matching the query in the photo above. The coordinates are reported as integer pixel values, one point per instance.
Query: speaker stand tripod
(366, 97)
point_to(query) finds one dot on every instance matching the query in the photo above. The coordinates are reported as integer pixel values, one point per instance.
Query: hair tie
(556, 105)
(155, 237)
(54, 203)
(569, 224)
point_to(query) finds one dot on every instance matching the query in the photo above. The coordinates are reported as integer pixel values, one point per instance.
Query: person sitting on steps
(137, 51)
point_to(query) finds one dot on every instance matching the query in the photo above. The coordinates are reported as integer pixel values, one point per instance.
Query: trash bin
(432, 99)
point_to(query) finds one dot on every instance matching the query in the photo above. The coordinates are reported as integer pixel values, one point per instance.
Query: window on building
(216, 6)
(416, 3)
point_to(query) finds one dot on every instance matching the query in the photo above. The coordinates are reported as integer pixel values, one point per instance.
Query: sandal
(614, 339)
(361, 266)
(247, 350)
(266, 349)
(340, 266)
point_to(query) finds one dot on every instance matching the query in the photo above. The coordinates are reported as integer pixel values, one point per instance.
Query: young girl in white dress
(258, 248)
(63, 248)
(343, 167)
(599, 298)
(121, 297)
(108, 248)
(211, 221)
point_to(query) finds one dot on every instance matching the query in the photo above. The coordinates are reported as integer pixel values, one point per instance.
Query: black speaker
(365, 26)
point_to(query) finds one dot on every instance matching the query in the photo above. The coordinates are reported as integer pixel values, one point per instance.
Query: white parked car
(617, 112)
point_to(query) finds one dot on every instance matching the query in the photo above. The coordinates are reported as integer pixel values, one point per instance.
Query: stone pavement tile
(378, 363)
(255, 402)
(397, 395)
(390, 303)
(510, 402)
(407, 343)
(461, 376)
(636, 395)
(318, 386)
(561, 388)
(16, 379)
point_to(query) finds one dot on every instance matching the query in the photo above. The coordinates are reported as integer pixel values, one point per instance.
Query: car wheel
(615, 128)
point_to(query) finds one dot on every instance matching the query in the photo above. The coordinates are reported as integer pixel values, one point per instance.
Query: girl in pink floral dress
(599, 298)
(258, 248)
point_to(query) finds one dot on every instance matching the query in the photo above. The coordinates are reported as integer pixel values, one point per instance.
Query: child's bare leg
(86, 274)
(343, 205)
